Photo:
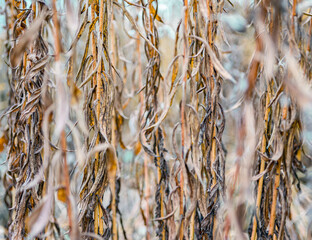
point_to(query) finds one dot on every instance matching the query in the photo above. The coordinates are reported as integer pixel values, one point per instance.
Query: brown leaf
(154, 13)
(137, 148)
(112, 162)
(25, 40)
(61, 194)
(3, 141)
(39, 217)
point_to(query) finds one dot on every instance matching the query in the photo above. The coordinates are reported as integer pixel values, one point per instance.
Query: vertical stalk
(213, 152)
(262, 165)
(146, 177)
(252, 77)
(93, 83)
(213, 144)
(152, 55)
(192, 221)
(57, 41)
(114, 130)
(274, 201)
(210, 44)
(93, 47)
(185, 62)
(213, 140)
(276, 184)
(98, 214)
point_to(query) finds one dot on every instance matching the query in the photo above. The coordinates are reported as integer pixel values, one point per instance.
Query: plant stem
(98, 213)
(146, 177)
(185, 62)
(57, 41)
(153, 55)
(262, 165)
(276, 184)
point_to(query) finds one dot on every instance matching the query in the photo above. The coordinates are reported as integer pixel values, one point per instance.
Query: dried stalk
(126, 103)
(98, 213)
(57, 41)
(262, 166)
(183, 131)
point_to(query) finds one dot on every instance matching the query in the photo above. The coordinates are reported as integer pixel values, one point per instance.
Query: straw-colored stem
(213, 152)
(93, 46)
(252, 77)
(274, 201)
(262, 166)
(192, 222)
(152, 55)
(183, 120)
(276, 184)
(57, 41)
(98, 213)
(211, 82)
(114, 137)
(146, 176)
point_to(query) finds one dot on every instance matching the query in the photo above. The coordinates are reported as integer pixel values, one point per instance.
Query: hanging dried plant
(125, 122)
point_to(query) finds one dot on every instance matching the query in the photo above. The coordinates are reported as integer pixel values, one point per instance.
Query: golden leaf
(112, 162)
(3, 141)
(156, 16)
(61, 194)
(137, 148)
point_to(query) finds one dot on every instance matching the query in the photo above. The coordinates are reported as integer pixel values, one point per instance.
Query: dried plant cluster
(213, 155)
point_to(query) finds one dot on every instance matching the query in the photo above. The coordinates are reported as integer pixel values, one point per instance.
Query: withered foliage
(218, 145)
